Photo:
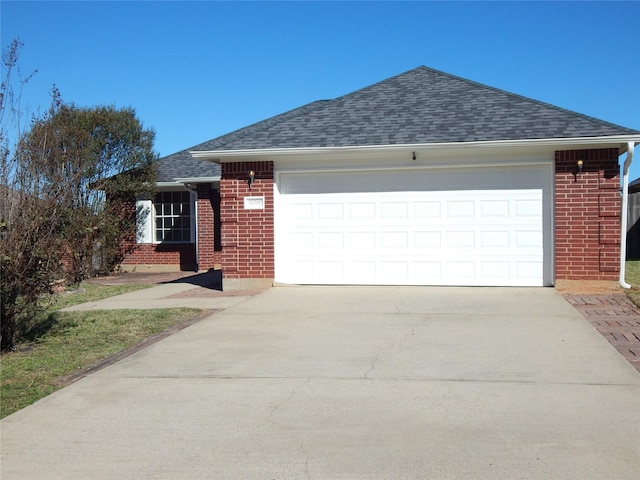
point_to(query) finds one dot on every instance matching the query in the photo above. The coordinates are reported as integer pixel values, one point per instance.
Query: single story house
(421, 179)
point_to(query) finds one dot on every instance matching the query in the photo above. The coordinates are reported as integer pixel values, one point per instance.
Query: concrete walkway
(170, 295)
(330, 382)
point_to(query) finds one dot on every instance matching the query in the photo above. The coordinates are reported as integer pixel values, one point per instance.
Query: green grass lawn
(632, 270)
(77, 340)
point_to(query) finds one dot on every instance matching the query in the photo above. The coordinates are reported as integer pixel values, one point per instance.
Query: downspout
(625, 213)
(195, 219)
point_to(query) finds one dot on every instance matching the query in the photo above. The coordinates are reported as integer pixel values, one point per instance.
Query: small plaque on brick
(253, 203)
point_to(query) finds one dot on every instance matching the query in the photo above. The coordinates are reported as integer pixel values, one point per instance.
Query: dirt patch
(589, 287)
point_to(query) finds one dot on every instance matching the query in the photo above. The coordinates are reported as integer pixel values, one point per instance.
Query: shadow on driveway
(212, 279)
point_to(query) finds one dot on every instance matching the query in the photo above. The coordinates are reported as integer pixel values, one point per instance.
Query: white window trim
(146, 220)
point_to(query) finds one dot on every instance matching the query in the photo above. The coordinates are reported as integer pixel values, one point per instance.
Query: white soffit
(197, 179)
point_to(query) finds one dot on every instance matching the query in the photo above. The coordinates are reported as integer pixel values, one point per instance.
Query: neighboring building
(633, 221)
(422, 179)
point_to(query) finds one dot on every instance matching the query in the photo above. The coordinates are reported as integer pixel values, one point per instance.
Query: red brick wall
(184, 255)
(247, 235)
(587, 215)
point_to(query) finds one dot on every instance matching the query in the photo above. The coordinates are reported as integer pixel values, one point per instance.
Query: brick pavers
(616, 318)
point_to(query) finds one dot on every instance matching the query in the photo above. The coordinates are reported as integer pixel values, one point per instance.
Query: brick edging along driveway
(616, 318)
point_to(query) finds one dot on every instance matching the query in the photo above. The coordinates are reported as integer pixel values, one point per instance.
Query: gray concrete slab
(333, 382)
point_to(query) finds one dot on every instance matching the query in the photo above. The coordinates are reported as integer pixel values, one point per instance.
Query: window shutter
(144, 223)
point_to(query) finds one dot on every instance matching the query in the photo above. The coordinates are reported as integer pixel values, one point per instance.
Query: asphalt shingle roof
(183, 165)
(422, 105)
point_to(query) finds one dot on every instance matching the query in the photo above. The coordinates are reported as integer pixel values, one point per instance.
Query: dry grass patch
(632, 270)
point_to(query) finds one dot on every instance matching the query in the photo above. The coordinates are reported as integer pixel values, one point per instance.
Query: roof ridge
(421, 105)
(380, 82)
(525, 98)
(487, 87)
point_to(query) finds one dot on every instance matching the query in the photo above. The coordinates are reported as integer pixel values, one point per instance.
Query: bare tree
(55, 220)
(27, 227)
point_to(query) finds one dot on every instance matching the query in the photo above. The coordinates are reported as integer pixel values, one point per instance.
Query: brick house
(421, 179)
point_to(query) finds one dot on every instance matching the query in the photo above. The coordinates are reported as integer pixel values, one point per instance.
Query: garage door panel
(528, 239)
(460, 209)
(304, 269)
(457, 271)
(329, 270)
(393, 240)
(395, 269)
(527, 271)
(301, 211)
(331, 240)
(441, 237)
(418, 272)
(460, 240)
(359, 211)
(362, 240)
(427, 270)
(495, 270)
(427, 210)
(302, 241)
(528, 208)
(330, 211)
(427, 239)
(360, 270)
(494, 208)
(494, 239)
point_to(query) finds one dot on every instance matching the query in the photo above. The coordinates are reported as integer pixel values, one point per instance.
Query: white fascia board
(197, 180)
(169, 184)
(228, 156)
(181, 182)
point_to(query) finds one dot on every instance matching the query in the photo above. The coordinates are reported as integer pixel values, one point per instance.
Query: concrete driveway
(350, 383)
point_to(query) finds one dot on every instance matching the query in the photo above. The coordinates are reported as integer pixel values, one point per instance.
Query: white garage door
(479, 227)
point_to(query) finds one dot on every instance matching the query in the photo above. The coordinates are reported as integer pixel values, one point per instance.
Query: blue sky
(196, 70)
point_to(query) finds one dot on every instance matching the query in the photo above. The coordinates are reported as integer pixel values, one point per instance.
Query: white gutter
(198, 179)
(625, 213)
(232, 155)
(168, 184)
(181, 182)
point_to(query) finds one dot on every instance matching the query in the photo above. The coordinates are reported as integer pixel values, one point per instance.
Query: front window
(173, 217)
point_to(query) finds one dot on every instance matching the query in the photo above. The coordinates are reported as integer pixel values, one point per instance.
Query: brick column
(587, 215)
(247, 235)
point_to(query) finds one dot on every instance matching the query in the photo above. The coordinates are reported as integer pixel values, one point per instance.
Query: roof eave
(230, 156)
(181, 182)
(198, 179)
